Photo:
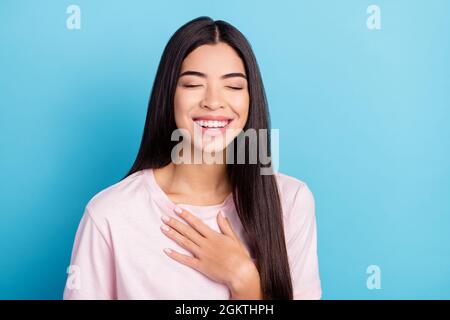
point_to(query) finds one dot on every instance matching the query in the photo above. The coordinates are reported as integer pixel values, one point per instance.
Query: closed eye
(199, 85)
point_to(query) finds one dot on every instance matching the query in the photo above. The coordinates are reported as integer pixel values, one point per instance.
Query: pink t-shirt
(118, 247)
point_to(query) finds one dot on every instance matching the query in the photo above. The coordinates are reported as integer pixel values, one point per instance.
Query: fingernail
(165, 218)
(167, 250)
(178, 210)
(221, 214)
(164, 227)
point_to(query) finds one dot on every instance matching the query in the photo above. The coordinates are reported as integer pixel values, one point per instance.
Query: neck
(201, 183)
(201, 179)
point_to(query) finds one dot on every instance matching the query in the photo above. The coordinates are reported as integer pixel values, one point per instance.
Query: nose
(212, 99)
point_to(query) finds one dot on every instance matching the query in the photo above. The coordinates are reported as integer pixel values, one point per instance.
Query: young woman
(199, 230)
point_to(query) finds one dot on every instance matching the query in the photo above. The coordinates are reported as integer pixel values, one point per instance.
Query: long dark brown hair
(256, 196)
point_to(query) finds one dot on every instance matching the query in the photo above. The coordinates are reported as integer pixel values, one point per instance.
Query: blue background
(363, 116)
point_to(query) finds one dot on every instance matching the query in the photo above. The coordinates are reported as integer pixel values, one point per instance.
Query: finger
(195, 222)
(182, 258)
(183, 229)
(181, 240)
(225, 226)
(234, 234)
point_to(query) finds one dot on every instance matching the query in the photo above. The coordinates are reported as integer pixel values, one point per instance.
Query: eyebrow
(203, 75)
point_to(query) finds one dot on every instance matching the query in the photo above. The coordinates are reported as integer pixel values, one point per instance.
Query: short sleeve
(301, 240)
(91, 270)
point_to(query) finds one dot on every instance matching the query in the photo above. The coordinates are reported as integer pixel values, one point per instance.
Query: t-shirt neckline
(201, 211)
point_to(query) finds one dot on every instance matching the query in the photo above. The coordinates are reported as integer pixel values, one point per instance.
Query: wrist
(245, 283)
(239, 276)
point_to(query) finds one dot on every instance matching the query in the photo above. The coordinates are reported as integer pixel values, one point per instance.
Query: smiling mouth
(212, 124)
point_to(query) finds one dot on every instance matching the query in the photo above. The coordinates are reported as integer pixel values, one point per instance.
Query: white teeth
(211, 124)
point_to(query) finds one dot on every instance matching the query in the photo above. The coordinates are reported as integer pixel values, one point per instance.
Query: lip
(213, 131)
(212, 118)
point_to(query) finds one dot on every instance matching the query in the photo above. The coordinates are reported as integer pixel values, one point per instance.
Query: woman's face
(211, 98)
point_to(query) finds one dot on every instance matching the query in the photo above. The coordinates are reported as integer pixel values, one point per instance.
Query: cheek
(241, 107)
(181, 107)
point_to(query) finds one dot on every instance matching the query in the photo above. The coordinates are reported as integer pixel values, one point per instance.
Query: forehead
(217, 59)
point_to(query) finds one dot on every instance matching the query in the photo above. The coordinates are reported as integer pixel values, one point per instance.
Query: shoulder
(288, 183)
(117, 198)
(295, 195)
